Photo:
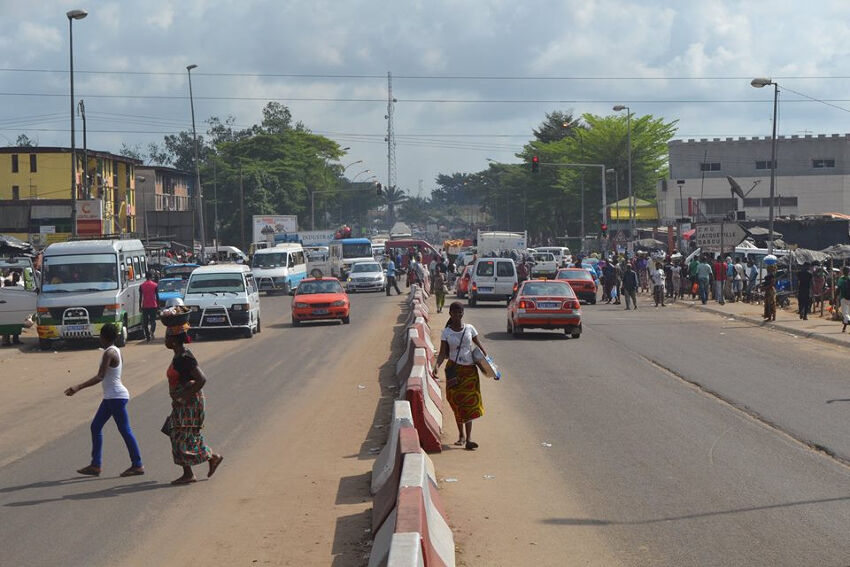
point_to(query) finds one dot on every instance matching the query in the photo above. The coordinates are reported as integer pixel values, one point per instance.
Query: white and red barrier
(406, 551)
(386, 496)
(426, 404)
(385, 464)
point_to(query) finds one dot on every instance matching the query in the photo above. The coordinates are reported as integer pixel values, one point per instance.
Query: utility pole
(391, 162)
(215, 210)
(241, 209)
(86, 190)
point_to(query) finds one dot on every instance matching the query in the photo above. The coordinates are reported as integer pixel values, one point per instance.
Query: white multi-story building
(812, 177)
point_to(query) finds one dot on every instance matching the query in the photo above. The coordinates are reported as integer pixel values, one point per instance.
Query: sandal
(460, 442)
(134, 471)
(471, 445)
(181, 481)
(215, 460)
(89, 471)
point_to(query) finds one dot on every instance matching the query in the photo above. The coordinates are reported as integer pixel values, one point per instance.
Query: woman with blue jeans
(114, 405)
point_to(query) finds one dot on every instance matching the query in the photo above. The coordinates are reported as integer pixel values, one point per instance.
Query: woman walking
(463, 388)
(439, 288)
(769, 298)
(114, 405)
(185, 381)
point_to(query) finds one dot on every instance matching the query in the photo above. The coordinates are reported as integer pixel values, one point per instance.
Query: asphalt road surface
(686, 438)
(49, 515)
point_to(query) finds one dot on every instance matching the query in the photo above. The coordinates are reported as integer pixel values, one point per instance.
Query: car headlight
(301, 305)
(111, 310)
(348, 279)
(339, 303)
(240, 307)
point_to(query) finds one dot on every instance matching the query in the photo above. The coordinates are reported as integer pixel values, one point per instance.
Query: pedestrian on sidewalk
(719, 279)
(391, 282)
(703, 274)
(692, 274)
(439, 289)
(842, 291)
(818, 286)
(148, 303)
(769, 297)
(656, 275)
(752, 278)
(114, 405)
(184, 425)
(463, 387)
(804, 290)
(738, 280)
(630, 286)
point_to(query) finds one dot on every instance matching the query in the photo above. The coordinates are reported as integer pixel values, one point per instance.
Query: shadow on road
(527, 336)
(351, 540)
(110, 492)
(50, 483)
(352, 488)
(595, 522)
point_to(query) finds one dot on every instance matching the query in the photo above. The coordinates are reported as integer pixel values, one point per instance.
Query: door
(505, 277)
(485, 276)
(253, 299)
(17, 302)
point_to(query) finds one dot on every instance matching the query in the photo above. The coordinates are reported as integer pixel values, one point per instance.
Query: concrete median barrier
(426, 406)
(406, 551)
(385, 497)
(384, 465)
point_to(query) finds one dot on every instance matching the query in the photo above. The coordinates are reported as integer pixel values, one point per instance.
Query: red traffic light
(535, 163)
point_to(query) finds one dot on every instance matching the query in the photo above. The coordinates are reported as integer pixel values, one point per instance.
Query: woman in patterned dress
(463, 391)
(184, 425)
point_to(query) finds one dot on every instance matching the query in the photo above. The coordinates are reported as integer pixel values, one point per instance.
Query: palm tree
(393, 196)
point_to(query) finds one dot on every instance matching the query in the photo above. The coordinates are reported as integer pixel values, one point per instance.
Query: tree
(557, 126)
(24, 141)
(132, 152)
(393, 197)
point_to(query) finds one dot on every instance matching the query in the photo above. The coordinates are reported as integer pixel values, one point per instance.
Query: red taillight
(526, 304)
(474, 286)
(572, 304)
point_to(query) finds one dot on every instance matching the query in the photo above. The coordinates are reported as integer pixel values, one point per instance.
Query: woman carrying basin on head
(463, 387)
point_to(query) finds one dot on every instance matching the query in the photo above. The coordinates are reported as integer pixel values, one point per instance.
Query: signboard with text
(719, 237)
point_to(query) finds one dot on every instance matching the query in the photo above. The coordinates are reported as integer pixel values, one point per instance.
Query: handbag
(452, 379)
(166, 427)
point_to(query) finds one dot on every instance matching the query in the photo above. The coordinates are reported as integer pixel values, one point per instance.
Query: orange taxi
(544, 304)
(582, 282)
(320, 299)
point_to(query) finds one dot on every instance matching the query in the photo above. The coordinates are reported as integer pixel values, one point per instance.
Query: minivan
(223, 296)
(562, 254)
(279, 268)
(493, 279)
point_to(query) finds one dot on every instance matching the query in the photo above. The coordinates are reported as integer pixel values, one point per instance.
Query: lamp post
(350, 164)
(73, 15)
(199, 191)
(359, 174)
(632, 215)
(758, 83)
(616, 194)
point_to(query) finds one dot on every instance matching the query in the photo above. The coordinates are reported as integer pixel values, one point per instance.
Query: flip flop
(214, 463)
(182, 481)
(89, 471)
(460, 442)
(134, 471)
(471, 445)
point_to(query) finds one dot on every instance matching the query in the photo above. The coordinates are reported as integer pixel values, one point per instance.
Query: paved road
(670, 473)
(51, 516)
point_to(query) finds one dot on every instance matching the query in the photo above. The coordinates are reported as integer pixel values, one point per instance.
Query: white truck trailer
(490, 242)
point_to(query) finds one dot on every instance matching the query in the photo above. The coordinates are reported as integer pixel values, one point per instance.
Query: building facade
(103, 179)
(812, 177)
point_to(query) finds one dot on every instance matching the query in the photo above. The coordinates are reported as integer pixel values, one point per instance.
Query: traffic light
(535, 164)
(378, 189)
(604, 229)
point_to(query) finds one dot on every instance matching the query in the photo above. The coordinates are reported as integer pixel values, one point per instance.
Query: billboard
(90, 217)
(263, 225)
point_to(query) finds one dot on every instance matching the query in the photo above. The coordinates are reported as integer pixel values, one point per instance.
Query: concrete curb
(758, 321)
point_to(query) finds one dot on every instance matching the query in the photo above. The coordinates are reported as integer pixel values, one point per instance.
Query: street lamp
(616, 193)
(200, 194)
(361, 173)
(350, 164)
(632, 211)
(758, 83)
(73, 15)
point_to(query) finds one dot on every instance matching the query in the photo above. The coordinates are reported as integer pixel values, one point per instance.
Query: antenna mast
(391, 163)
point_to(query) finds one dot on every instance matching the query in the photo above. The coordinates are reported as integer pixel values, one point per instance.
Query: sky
(472, 78)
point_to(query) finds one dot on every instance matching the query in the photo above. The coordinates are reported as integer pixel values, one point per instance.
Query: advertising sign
(265, 225)
(316, 237)
(90, 209)
(719, 237)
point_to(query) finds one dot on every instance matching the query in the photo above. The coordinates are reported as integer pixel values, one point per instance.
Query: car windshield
(179, 271)
(544, 257)
(216, 283)
(314, 287)
(574, 275)
(167, 286)
(357, 250)
(80, 272)
(366, 267)
(270, 260)
(547, 288)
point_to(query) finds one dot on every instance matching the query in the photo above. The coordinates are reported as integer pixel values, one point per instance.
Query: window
(717, 206)
(763, 164)
(16, 192)
(710, 166)
(821, 163)
(144, 263)
(33, 163)
(136, 268)
(14, 163)
(765, 202)
(506, 269)
(486, 269)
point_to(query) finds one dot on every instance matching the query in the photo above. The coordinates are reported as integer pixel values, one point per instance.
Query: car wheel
(121, 340)
(517, 330)
(248, 333)
(259, 327)
(472, 300)
(296, 322)
(45, 344)
(509, 331)
(575, 334)
(592, 301)
(346, 320)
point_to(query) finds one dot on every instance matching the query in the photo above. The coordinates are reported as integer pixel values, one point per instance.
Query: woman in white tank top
(114, 405)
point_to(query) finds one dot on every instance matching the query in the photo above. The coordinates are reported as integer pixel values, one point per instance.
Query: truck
(492, 242)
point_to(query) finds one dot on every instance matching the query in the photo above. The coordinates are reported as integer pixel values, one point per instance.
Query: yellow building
(36, 173)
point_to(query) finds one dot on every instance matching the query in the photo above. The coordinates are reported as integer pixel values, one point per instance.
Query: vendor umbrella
(838, 251)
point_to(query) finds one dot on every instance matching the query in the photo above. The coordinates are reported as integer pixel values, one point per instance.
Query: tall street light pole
(616, 194)
(73, 15)
(199, 191)
(758, 83)
(359, 174)
(632, 211)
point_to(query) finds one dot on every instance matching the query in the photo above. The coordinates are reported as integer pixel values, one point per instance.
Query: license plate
(548, 305)
(76, 328)
(485, 289)
(320, 311)
(215, 319)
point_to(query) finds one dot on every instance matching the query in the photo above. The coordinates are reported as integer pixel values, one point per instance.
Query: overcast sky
(472, 78)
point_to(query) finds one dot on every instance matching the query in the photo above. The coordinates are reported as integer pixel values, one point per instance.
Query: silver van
(493, 279)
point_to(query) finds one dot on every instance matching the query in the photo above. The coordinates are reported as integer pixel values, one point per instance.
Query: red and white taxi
(544, 304)
(320, 298)
(582, 282)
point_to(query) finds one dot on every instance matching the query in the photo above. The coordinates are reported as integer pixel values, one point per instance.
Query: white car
(545, 265)
(223, 296)
(366, 276)
(493, 279)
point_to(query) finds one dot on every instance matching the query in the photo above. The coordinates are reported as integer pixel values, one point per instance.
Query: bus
(347, 251)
